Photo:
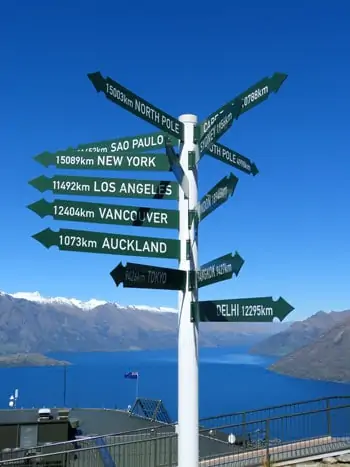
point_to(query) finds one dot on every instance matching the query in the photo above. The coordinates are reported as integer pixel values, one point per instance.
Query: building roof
(145, 413)
(19, 416)
(143, 416)
(105, 421)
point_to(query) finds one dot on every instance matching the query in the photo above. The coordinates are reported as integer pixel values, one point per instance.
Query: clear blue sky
(290, 223)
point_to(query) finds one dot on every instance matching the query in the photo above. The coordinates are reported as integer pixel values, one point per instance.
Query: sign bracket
(192, 280)
(177, 168)
(191, 140)
(192, 160)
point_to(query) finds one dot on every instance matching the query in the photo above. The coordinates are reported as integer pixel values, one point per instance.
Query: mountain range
(316, 348)
(299, 334)
(30, 323)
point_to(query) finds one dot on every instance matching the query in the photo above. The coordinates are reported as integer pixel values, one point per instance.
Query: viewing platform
(145, 435)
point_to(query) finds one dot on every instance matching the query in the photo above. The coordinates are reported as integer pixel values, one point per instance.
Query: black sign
(143, 276)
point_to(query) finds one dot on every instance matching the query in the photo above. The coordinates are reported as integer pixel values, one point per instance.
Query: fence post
(244, 422)
(158, 440)
(172, 440)
(267, 436)
(328, 412)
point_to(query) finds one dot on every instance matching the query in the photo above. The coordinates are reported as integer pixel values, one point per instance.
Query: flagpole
(137, 386)
(64, 385)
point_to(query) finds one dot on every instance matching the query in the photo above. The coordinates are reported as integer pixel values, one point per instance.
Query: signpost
(137, 153)
(233, 158)
(143, 276)
(217, 196)
(79, 211)
(220, 269)
(110, 187)
(239, 310)
(99, 242)
(188, 410)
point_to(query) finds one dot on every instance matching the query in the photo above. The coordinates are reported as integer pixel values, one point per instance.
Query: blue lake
(230, 380)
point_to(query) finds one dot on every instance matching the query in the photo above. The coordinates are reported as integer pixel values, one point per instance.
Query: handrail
(71, 451)
(148, 430)
(156, 429)
(280, 417)
(155, 439)
(273, 407)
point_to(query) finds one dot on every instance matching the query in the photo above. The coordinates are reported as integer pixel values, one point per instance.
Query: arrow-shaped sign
(217, 196)
(220, 269)
(143, 276)
(129, 144)
(154, 162)
(78, 211)
(239, 310)
(177, 169)
(99, 242)
(233, 158)
(253, 96)
(228, 114)
(136, 105)
(110, 187)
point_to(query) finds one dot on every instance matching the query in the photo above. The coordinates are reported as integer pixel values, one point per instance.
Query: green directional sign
(217, 196)
(122, 161)
(233, 158)
(220, 126)
(130, 144)
(99, 242)
(261, 309)
(111, 187)
(77, 211)
(253, 96)
(220, 269)
(143, 276)
(136, 105)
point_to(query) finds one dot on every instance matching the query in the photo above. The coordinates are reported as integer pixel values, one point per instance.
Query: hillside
(325, 359)
(31, 323)
(299, 334)
(31, 359)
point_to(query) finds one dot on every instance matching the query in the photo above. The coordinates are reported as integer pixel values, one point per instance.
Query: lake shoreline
(20, 360)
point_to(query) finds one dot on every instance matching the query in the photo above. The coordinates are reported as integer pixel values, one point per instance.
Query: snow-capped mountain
(30, 322)
(87, 305)
(36, 297)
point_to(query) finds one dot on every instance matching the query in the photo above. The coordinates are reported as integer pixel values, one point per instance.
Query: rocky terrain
(316, 348)
(299, 334)
(327, 358)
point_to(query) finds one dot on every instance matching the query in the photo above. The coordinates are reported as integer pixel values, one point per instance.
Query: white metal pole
(188, 442)
(137, 386)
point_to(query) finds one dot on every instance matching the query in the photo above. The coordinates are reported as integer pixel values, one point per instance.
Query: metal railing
(270, 440)
(156, 452)
(113, 438)
(216, 422)
(88, 442)
(273, 411)
(284, 438)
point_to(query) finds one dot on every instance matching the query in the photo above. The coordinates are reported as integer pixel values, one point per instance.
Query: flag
(132, 375)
